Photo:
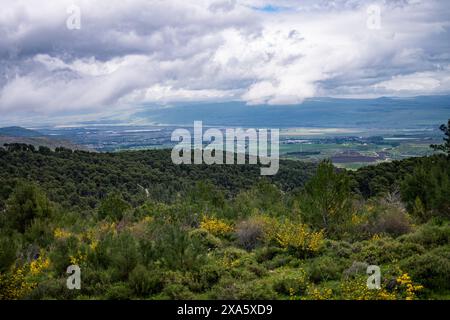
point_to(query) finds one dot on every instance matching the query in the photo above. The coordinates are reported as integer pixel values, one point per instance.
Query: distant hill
(19, 132)
(383, 113)
(35, 138)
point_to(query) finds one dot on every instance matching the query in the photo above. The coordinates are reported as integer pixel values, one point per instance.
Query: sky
(89, 59)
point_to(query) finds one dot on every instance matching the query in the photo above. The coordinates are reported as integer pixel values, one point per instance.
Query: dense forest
(141, 227)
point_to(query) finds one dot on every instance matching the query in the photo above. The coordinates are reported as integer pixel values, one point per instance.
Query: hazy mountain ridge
(22, 135)
(387, 113)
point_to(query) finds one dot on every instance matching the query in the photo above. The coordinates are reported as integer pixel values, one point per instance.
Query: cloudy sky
(140, 53)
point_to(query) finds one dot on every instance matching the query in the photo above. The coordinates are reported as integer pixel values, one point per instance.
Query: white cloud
(416, 83)
(138, 52)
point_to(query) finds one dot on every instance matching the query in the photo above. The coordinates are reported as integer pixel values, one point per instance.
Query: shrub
(145, 282)
(209, 275)
(113, 206)
(432, 269)
(324, 269)
(288, 281)
(430, 235)
(177, 250)
(95, 282)
(215, 226)
(264, 254)
(8, 250)
(39, 232)
(176, 291)
(340, 249)
(280, 260)
(52, 289)
(15, 285)
(295, 237)
(357, 268)
(387, 219)
(326, 201)
(256, 290)
(355, 288)
(119, 291)
(61, 252)
(384, 250)
(124, 254)
(26, 203)
(232, 254)
(205, 238)
(426, 190)
(250, 233)
(230, 289)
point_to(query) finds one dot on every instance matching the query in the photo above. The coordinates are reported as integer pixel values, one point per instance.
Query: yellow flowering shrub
(315, 293)
(407, 286)
(61, 234)
(21, 280)
(215, 226)
(295, 235)
(40, 264)
(93, 245)
(106, 228)
(376, 237)
(15, 285)
(78, 258)
(356, 289)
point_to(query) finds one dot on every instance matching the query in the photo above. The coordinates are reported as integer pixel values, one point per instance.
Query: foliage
(113, 206)
(250, 232)
(426, 190)
(326, 200)
(433, 268)
(219, 232)
(445, 147)
(401, 288)
(215, 226)
(294, 236)
(26, 203)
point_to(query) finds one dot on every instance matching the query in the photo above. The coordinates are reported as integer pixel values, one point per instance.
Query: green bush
(177, 250)
(8, 250)
(177, 291)
(52, 289)
(39, 232)
(356, 269)
(230, 289)
(113, 206)
(205, 238)
(430, 235)
(26, 203)
(340, 249)
(384, 250)
(326, 201)
(145, 282)
(124, 254)
(209, 275)
(431, 269)
(119, 291)
(95, 281)
(426, 190)
(286, 281)
(324, 269)
(264, 254)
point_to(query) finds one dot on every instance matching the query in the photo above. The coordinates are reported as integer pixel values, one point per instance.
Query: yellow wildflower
(215, 226)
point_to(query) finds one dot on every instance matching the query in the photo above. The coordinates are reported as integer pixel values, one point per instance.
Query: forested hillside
(81, 179)
(140, 227)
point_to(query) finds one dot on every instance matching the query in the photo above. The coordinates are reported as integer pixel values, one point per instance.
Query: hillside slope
(10, 135)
